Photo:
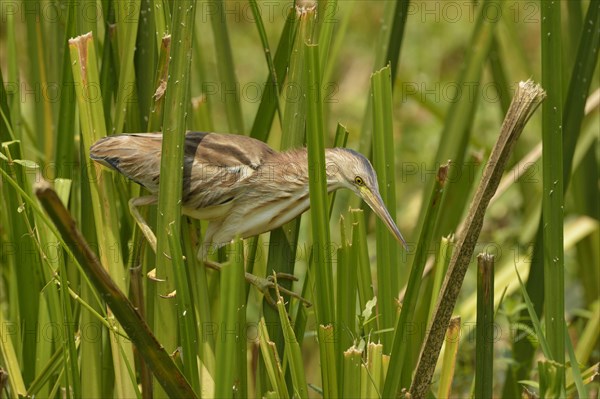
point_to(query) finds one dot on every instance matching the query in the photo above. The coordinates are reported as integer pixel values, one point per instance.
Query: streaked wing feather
(226, 150)
(215, 164)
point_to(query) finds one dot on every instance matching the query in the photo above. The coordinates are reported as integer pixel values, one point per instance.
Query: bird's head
(350, 169)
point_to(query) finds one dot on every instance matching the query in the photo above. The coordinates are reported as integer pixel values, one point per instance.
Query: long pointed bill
(373, 199)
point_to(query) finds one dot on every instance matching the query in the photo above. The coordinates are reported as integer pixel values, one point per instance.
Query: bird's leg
(264, 285)
(134, 203)
(208, 245)
(215, 237)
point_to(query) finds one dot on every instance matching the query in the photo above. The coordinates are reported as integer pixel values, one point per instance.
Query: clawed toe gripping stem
(265, 284)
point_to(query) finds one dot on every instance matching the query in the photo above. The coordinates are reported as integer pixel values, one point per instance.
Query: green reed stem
(388, 277)
(318, 189)
(553, 182)
(484, 349)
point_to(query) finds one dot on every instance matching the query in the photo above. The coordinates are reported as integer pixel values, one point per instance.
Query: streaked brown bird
(239, 184)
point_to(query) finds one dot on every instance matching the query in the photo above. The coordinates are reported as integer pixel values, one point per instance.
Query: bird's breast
(272, 212)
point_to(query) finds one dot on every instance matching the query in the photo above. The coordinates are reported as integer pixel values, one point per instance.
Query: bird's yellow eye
(359, 181)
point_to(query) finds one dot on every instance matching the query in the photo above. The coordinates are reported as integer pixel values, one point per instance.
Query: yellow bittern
(239, 184)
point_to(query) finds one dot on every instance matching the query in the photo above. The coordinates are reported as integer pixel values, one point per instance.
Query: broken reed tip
(531, 90)
(81, 38)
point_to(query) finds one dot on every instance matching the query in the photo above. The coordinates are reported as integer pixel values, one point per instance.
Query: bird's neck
(294, 164)
(333, 164)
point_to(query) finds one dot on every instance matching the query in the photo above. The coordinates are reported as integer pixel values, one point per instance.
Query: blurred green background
(458, 64)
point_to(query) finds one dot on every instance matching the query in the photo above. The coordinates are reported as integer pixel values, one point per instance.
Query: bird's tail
(108, 151)
(137, 156)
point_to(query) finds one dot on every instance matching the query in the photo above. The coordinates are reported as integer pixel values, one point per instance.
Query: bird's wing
(227, 150)
(214, 164)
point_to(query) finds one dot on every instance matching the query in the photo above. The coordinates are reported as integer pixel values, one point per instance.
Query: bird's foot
(266, 284)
